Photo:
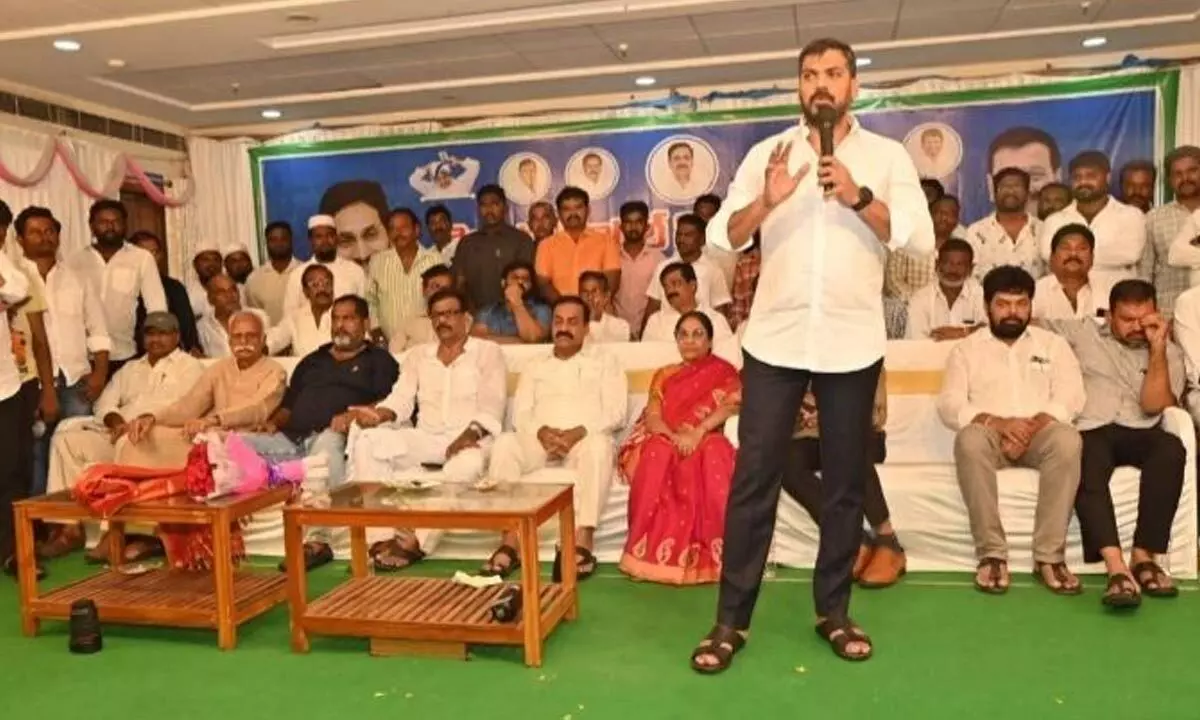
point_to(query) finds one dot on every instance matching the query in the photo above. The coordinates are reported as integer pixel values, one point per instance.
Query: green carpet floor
(943, 651)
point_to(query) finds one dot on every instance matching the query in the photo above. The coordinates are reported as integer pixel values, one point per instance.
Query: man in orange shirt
(564, 256)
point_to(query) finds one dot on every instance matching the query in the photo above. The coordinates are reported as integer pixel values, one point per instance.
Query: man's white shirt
(14, 290)
(302, 332)
(472, 388)
(818, 305)
(139, 387)
(994, 247)
(348, 279)
(928, 309)
(75, 322)
(711, 288)
(589, 389)
(130, 274)
(661, 325)
(1051, 303)
(1038, 373)
(609, 329)
(1183, 253)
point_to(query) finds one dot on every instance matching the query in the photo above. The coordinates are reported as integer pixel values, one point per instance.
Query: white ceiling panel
(745, 22)
(846, 11)
(959, 22)
(757, 42)
(853, 33)
(675, 29)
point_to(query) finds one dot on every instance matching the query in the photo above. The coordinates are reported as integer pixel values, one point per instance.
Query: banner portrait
(958, 138)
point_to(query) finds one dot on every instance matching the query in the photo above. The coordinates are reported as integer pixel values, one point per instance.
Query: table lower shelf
(164, 597)
(425, 609)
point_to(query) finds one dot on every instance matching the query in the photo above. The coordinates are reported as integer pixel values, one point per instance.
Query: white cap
(236, 247)
(317, 221)
(206, 246)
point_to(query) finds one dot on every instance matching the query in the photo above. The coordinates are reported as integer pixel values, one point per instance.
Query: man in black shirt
(178, 302)
(482, 256)
(313, 420)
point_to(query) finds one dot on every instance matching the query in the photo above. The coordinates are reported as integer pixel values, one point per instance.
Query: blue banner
(959, 143)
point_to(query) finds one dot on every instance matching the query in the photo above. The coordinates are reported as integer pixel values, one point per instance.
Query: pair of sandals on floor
(1122, 592)
(390, 556)
(845, 638)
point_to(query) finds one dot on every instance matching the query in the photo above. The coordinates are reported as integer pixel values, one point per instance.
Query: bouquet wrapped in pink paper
(234, 468)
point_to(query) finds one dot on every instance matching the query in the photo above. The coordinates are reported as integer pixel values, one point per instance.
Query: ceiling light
(67, 45)
(644, 81)
(271, 114)
(862, 62)
(116, 63)
(1095, 42)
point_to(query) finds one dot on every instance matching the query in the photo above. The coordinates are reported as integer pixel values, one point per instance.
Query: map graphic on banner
(959, 140)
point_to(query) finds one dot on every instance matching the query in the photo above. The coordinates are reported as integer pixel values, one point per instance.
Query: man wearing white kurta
(604, 327)
(951, 307)
(679, 284)
(459, 387)
(1070, 291)
(568, 407)
(348, 276)
(303, 331)
(1120, 229)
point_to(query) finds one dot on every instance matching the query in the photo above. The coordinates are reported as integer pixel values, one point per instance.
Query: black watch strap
(865, 198)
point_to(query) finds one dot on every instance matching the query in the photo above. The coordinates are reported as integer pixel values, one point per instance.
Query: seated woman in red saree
(679, 464)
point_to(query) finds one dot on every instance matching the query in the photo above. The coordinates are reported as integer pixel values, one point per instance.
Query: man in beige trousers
(1011, 393)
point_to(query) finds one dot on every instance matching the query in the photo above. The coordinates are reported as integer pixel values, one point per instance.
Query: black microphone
(826, 119)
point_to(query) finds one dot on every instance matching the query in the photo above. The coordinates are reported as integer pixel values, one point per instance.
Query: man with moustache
(1010, 394)
(223, 302)
(348, 276)
(521, 317)
(564, 256)
(1137, 181)
(122, 273)
(568, 408)
(827, 226)
(236, 393)
(267, 285)
(712, 289)
(459, 388)
(207, 264)
(1132, 372)
(1165, 223)
(1068, 291)
(394, 276)
(482, 255)
(638, 265)
(681, 158)
(604, 327)
(1009, 236)
(302, 332)
(1120, 229)
(178, 302)
(419, 330)
(440, 224)
(314, 416)
(680, 287)
(1051, 198)
(951, 307)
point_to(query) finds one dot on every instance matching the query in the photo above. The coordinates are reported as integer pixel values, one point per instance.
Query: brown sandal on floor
(1122, 593)
(65, 540)
(1146, 574)
(722, 643)
(993, 586)
(389, 556)
(840, 633)
(492, 569)
(1060, 573)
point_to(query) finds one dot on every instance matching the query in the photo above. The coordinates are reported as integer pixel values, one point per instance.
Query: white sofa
(918, 480)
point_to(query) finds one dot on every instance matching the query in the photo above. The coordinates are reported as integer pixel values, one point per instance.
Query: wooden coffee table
(433, 615)
(221, 599)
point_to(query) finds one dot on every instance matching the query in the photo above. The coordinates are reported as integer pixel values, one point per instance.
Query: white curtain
(20, 149)
(222, 208)
(1187, 127)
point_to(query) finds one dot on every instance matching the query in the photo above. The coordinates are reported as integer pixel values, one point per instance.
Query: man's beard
(1087, 194)
(952, 283)
(1010, 203)
(110, 239)
(278, 253)
(1009, 328)
(343, 341)
(810, 110)
(241, 277)
(325, 256)
(1187, 191)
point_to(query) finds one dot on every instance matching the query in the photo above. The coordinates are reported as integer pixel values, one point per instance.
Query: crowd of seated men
(1065, 362)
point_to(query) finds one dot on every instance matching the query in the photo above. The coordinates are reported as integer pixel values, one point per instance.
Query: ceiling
(207, 64)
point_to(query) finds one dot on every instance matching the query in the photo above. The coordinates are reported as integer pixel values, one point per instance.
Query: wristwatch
(865, 198)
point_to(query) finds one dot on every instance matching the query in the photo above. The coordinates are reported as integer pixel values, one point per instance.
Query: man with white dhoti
(568, 407)
(459, 386)
(157, 379)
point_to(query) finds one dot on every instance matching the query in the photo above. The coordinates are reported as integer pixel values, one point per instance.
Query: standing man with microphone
(828, 221)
